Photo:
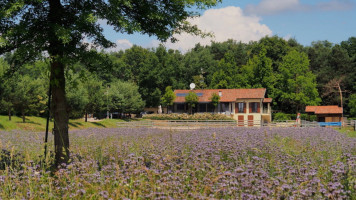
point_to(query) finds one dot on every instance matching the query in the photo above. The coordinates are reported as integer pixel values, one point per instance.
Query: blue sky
(249, 20)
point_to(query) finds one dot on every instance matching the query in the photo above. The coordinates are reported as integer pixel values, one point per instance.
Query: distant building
(241, 104)
(326, 113)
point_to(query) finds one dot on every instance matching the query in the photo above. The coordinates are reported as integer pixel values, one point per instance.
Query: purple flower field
(230, 163)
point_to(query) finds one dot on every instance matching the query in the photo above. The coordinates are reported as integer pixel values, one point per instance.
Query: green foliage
(29, 96)
(284, 116)
(333, 62)
(124, 97)
(77, 98)
(215, 98)
(196, 116)
(168, 97)
(199, 82)
(352, 105)
(297, 84)
(95, 91)
(191, 99)
(281, 116)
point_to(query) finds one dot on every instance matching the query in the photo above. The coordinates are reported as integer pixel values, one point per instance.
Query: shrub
(281, 116)
(284, 116)
(197, 116)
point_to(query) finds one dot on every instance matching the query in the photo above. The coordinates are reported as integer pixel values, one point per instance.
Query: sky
(250, 20)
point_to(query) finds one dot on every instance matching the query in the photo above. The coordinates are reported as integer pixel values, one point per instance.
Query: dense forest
(127, 81)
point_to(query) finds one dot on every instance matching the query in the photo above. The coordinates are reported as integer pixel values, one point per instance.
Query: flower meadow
(224, 163)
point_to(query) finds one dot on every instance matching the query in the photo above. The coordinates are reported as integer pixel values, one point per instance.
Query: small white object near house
(192, 86)
(159, 109)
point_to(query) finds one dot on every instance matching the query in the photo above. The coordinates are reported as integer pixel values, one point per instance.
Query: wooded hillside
(126, 81)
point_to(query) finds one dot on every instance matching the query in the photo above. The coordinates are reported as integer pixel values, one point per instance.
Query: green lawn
(350, 131)
(39, 123)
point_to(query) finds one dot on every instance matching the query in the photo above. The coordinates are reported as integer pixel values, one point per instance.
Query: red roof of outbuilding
(228, 95)
(324, 109)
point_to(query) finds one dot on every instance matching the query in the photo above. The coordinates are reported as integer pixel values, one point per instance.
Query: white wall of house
(257, 117)
(264, 116)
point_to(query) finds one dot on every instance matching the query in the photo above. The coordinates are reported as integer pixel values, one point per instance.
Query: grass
(349, 131)
(39, 124)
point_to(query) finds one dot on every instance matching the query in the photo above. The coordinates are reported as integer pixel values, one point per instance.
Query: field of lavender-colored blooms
(230, 163)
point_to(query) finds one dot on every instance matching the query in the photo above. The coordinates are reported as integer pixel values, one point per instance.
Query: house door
(240, 120)
(250, 120)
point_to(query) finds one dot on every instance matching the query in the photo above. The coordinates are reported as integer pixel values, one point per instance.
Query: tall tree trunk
(9, 111)
(23, 115)
(59, 109)
(60, 113)
(86, 116)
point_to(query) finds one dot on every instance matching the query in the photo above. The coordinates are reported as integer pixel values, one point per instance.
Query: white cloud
(225, 23)
(336, 5)
(121, 45)
(271, 7)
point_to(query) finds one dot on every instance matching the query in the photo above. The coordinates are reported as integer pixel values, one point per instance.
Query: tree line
(127, 81)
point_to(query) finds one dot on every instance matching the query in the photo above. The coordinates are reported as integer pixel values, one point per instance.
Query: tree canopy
(60, 28)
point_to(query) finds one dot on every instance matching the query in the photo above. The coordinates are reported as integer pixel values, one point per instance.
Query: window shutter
(244, 107)
(258, 107)
(236, 107)
(250, 108)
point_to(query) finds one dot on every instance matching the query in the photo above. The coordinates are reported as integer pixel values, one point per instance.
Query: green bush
(175, 116)
(283, 116)
(280, 116)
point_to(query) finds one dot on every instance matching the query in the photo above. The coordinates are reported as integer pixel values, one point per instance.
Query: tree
(6, 89)
(199, 82)
(125, 98)
(168, 97)
(260, 74)
(59, 28)
(296, 83)
(350, 46)
(29, 95)
(77, 98)
(95, 91)
(215, 98)
(352, 105)
(191, 99)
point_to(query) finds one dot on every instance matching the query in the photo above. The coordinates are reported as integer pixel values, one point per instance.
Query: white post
(107, 102)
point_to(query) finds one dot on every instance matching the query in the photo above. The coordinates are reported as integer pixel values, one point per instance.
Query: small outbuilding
(326, 113)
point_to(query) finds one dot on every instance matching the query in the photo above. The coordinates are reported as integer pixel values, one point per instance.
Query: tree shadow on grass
(99, 124)
(28, 121)
(75, 124)
(1, 126)
(130, 119)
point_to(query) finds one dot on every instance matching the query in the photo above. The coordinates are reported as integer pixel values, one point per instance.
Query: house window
(254, 107)
(241, 107)
(202, 107)
(180, 107)
(224, 107)
(210, 108)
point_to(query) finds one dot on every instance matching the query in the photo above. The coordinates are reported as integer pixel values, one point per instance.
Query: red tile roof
(310, 108)
(267, 100)
(324, 109)
(228, 95)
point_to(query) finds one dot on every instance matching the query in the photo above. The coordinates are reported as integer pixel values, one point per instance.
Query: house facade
(331, 113)
(247, 106)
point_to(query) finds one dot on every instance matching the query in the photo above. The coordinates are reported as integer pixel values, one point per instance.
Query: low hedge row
(283, 116)
(197, 116)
